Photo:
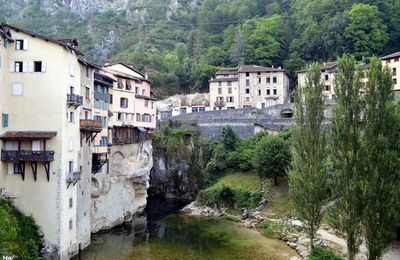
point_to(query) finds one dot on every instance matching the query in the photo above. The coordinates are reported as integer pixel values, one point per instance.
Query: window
(229, 90)
(394, 72)
(202, 109)
(17, 89)
(275, 91)
(71, 118)
(17, 168)
(110, 99)
(229, 99)
(258, 73)
(262, 105)
(247, 91)
(143, 92)
(326, 77)
(87, 93)
(128, 85)
(219, 83)
(268, 80)
(229, 83)
(137, 117)
(86, 114)
(124, 103)
(395, 81)
(18, 66)
(119, 85)
(146, 103)
(274, 79)
(268, 92)
(71, 166)
(327, 88)
(259, 80)
(70, 203)
(396, 59)
(247, 74)
(70, 224)
(247, 82)
(195, 109)
(21, 45)
(137, 90)
(152, 104)
(219, 90)
(4, 120)
(37, 66)
(104, 141)
(247, 99)
(259, 92)
(182, 111)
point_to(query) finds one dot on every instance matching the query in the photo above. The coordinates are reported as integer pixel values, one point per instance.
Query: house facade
(249, 86)
(41, 99)
(393, 63)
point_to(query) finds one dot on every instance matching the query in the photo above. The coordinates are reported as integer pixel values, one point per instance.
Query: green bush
(229, 197)
(276, 230)
(321, 253)
(19, 235)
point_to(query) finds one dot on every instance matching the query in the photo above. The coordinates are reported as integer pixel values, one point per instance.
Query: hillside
(181, 43)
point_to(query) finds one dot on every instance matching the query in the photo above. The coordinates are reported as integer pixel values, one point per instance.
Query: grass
(278, 200)
(239, 180)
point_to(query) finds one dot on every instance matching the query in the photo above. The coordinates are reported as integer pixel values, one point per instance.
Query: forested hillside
(181, 43)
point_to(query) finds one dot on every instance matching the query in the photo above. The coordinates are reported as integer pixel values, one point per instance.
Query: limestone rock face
(121, 193)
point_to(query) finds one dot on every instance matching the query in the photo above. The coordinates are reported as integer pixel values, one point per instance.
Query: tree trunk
(276, 180)
(312, 238)
(350, 253)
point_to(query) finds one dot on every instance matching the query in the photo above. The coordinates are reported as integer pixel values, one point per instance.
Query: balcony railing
(219, 103)
(27, 156)
(73, 99)
(74, 176)
(91, 125)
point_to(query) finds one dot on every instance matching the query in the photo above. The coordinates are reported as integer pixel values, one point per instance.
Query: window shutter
(12, 66)
(25, 66)
(10, 169)
(43, 66)
(30, 66)
(26, 44)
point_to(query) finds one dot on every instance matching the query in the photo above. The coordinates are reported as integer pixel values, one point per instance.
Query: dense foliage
(19, 235)
(182, 46)
(321, 253)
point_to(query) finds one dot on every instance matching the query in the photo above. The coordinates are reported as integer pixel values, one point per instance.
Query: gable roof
(324, 66)
(69, 43)
(390, 56)
(248, 68)
(129, 66)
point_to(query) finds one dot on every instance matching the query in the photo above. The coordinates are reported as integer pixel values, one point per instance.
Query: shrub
(276, 230)
(321, 253)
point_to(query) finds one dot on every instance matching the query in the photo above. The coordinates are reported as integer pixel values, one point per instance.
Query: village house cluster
(60, 114)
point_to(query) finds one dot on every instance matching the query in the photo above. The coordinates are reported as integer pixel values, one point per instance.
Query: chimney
(146, 76)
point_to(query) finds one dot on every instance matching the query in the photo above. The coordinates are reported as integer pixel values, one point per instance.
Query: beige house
(393, 62)
(249, 86)
(40, 145)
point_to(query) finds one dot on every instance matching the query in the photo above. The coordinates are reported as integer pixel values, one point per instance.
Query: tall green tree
(308, 184)
(381, 153)
(229, 139)
(271, 158)
(238, 49)
(366, 31)
(345, 145)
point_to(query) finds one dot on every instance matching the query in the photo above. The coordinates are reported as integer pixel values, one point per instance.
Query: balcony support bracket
(21, 167)
(47, 169)
(34, 170)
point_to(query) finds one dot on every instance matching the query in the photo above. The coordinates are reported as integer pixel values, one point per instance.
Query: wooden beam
(34, 170)
(47, 169)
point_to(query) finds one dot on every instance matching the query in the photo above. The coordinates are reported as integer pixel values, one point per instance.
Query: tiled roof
(224, 79)
(390, 56)
(324, 66)
(255, 68)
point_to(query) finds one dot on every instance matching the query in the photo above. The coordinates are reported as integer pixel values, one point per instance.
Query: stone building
(249, 86)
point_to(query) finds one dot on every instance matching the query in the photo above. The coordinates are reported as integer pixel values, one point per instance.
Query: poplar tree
(308, 178)
(381, 147)
(345, 144)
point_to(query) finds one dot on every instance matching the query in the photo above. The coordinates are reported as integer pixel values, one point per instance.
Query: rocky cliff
(119, 194)
(178, 167)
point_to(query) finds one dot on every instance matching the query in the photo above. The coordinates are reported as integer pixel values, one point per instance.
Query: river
(164, 233)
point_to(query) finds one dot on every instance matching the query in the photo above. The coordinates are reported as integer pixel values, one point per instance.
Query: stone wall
(119, 194)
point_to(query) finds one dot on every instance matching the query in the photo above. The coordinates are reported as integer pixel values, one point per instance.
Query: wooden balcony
(74, 100)
(219, 103)
(27, 156)
(89, 125)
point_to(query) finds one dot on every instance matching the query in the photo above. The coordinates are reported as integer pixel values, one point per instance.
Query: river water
(164, 233)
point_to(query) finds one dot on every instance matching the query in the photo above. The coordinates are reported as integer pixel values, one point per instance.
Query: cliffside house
(249, 86)
(393, 62)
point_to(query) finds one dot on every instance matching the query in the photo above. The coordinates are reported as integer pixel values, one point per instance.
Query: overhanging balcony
(74, 100)
(89, 125)
(27, 156)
